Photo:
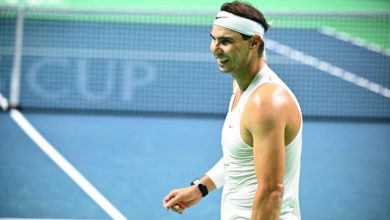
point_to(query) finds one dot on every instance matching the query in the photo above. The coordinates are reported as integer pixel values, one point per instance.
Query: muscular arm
(265, 125)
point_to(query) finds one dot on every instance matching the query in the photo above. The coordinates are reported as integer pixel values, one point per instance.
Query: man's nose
(214, 47)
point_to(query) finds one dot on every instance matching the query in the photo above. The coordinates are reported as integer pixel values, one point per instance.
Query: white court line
(326, 67)
(59, 52)
(67, 167)
(360, 42)
(3, 102)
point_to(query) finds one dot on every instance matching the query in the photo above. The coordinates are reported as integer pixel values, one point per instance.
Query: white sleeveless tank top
(240, 178)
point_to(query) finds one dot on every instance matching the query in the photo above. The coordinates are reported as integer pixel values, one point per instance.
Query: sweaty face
(230, 49)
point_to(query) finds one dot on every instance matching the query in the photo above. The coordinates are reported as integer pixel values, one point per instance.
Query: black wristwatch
(201, 187)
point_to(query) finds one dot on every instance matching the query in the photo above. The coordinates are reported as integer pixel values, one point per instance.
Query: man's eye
(225, 42)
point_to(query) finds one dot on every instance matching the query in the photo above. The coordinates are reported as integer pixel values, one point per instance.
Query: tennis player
(262, 133)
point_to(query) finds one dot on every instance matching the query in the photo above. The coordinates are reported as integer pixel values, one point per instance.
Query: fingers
(171, 199)
(174, 201)
(183, 205)
(167, 198)
(178, 209)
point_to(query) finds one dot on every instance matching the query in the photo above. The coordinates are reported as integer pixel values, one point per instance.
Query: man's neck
(245, 77)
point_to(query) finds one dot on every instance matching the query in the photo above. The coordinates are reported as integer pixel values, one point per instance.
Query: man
(262, 133)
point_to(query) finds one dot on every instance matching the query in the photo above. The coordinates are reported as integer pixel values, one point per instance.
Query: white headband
(239, 24)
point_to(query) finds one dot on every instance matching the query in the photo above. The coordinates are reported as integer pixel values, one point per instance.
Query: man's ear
(255, 41)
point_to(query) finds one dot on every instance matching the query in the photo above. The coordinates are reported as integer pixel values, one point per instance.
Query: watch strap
(201, 187)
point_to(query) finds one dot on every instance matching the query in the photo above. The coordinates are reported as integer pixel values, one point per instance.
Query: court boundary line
(127, 54)
(61, 161)
(357, 41)
(326, 67)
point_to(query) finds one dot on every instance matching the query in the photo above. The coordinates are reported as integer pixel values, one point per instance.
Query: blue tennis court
(139, 113)
(135, 160)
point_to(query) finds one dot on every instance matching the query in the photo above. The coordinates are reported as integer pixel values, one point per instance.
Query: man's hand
(180, 199)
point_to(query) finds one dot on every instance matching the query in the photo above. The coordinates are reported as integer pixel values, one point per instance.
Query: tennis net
(338, 65)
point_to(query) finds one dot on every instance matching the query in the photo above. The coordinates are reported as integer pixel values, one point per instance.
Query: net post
(16, 67)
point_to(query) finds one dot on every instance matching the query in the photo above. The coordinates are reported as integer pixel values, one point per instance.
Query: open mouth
(222, 61)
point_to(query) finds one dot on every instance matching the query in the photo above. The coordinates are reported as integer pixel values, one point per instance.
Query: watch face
(196, 182)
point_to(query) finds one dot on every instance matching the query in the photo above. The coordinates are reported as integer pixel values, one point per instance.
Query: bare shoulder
(272, 106)
(269, 100)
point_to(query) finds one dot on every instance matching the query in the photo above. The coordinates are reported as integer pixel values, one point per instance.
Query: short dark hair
(246, 10)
